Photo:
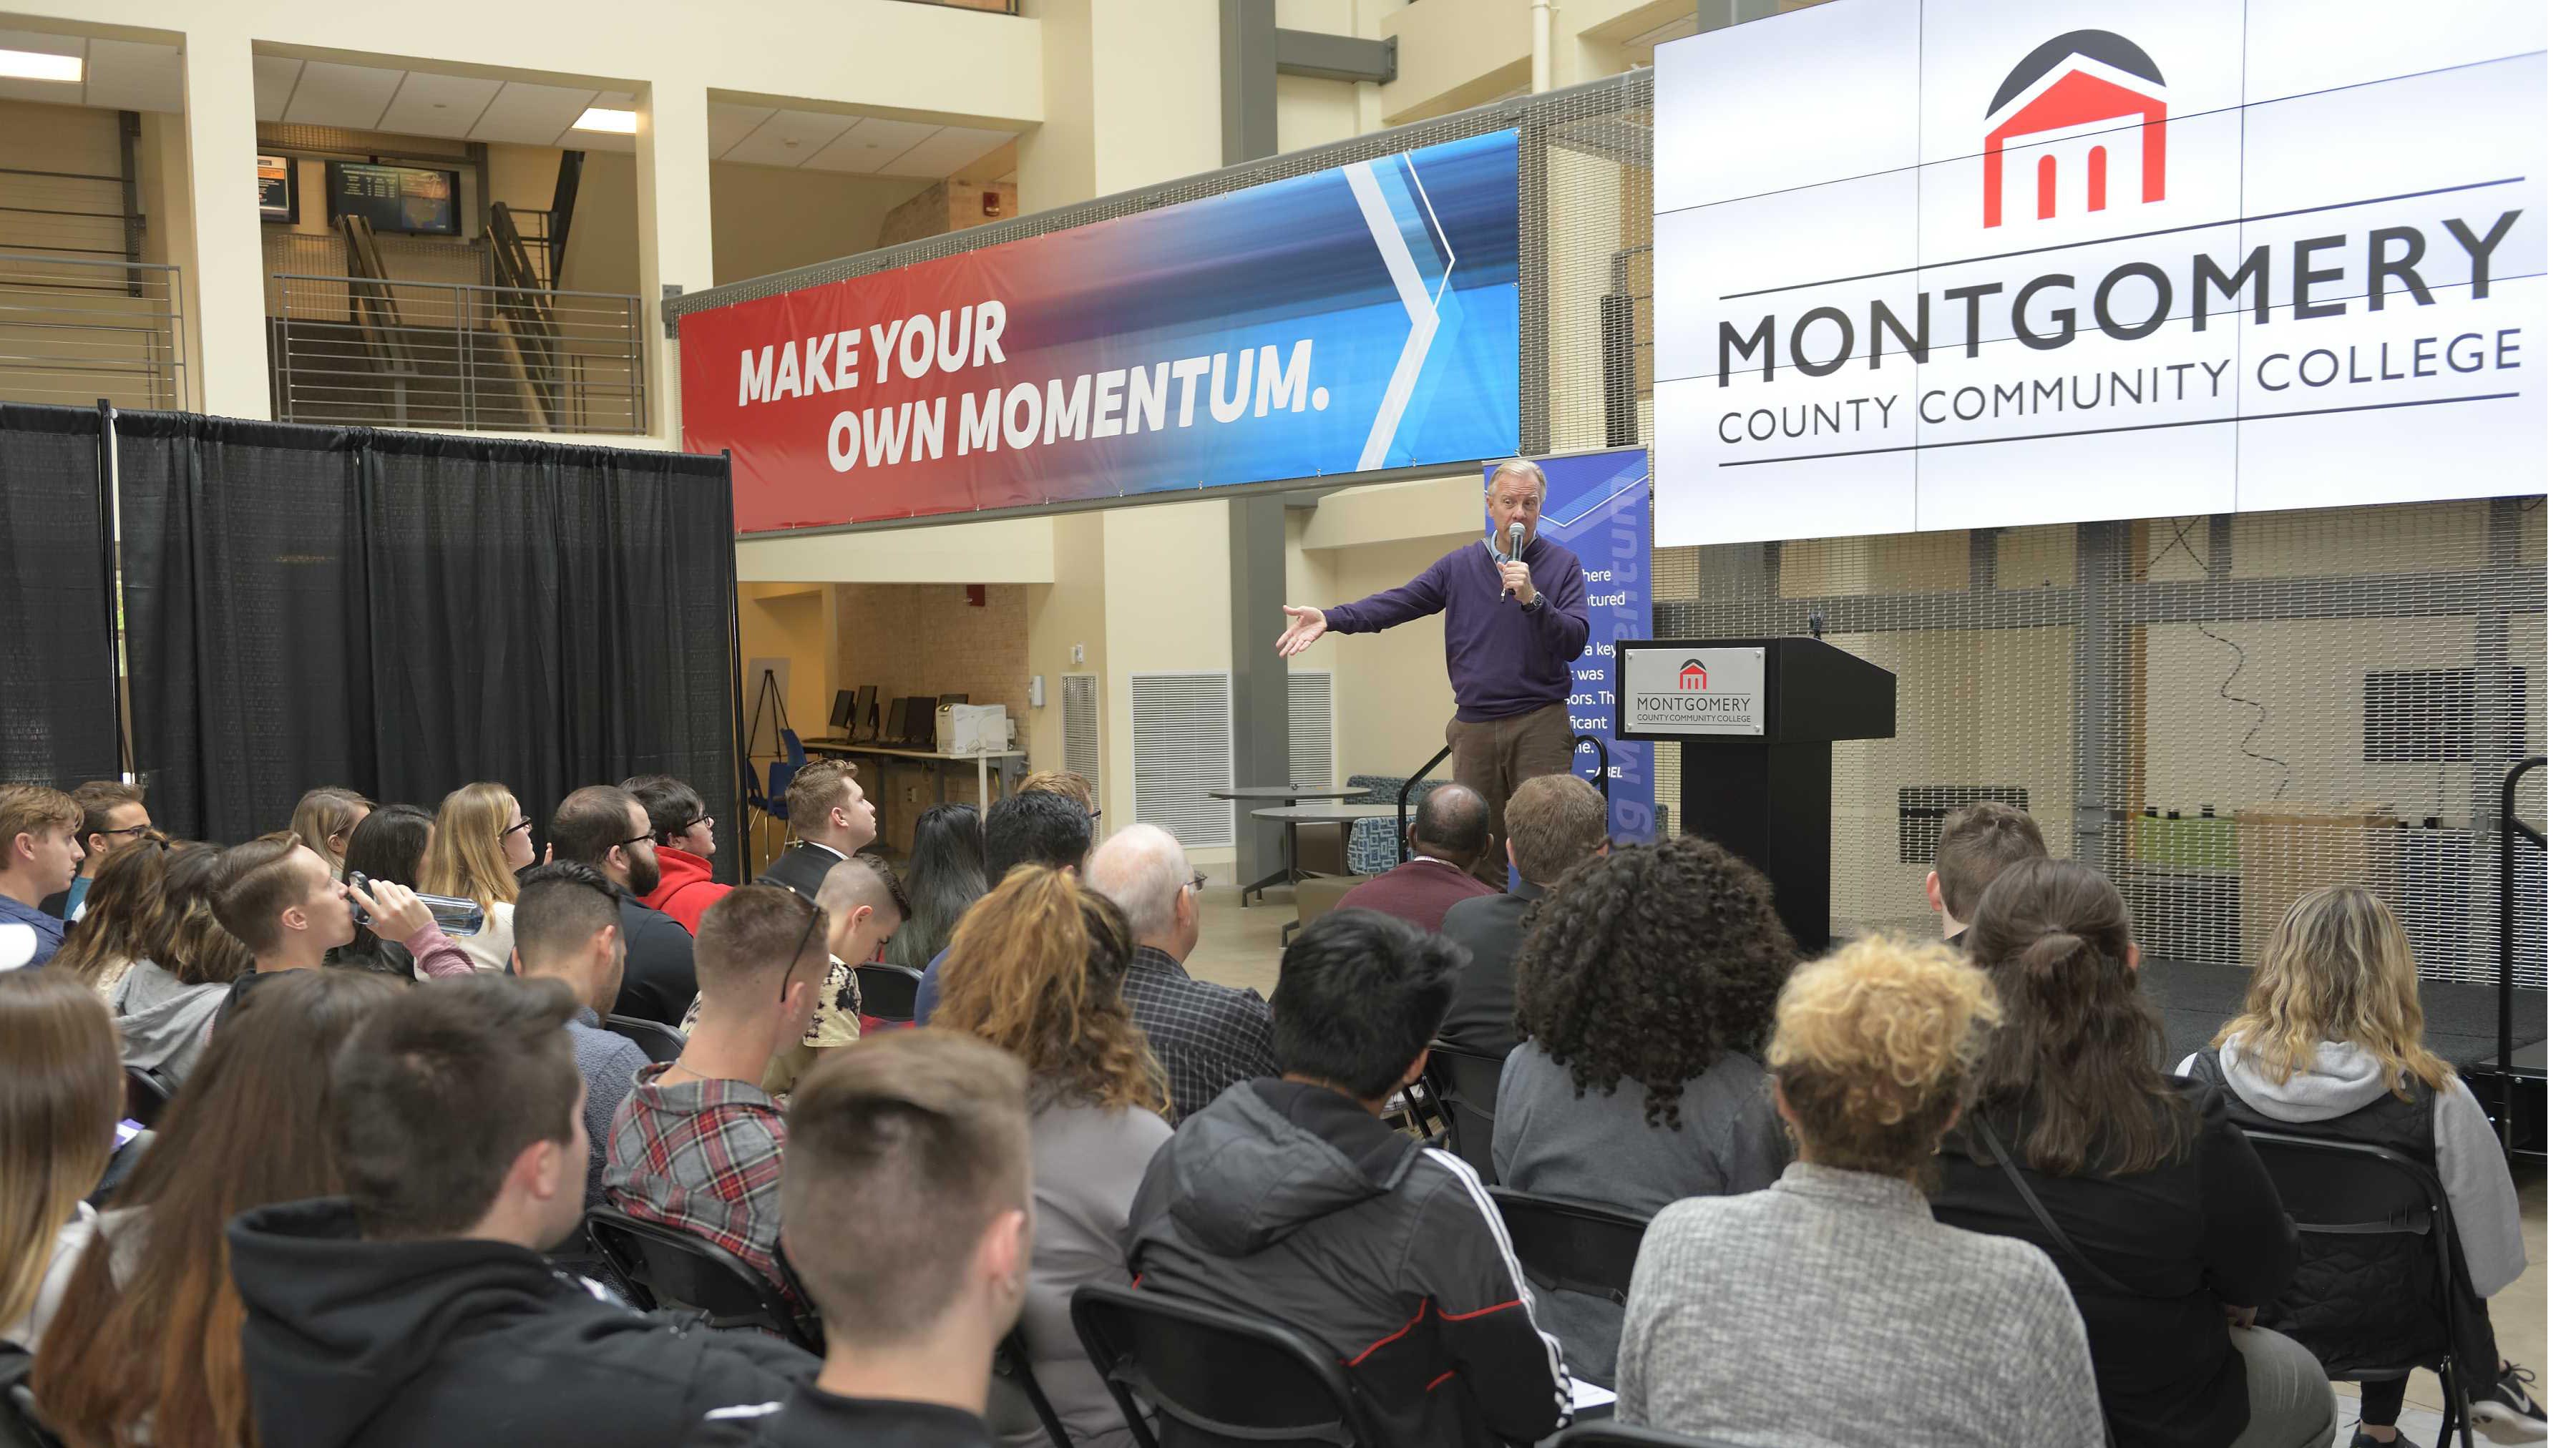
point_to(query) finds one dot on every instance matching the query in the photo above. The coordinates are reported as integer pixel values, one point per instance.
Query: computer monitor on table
(845, 713)
(916, 718)
(864, 718)
(952, 698)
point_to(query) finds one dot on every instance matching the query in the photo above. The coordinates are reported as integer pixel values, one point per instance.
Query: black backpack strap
(2030, 1199)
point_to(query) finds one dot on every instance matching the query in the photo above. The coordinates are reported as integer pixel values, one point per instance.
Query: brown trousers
(1494, 756)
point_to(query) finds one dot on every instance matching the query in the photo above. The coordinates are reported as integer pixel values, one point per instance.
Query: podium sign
(1687, 693)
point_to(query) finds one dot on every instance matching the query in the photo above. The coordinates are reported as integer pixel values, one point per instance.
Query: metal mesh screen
(2221, 713)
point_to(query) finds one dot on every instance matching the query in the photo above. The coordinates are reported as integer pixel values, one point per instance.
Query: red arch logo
(2081, 78)
(1694, 676)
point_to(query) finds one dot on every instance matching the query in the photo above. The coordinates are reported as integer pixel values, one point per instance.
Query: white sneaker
(2508, 1412)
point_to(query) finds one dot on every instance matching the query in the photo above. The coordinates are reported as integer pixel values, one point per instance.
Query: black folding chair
(2335, 1188)
(146, 1092)
(1465, 1084)
(1606, 1434)
(887, 991)
(660, 1043)
(1015, 1383)
(1570, 1247)
(1211, 1376)
(665, 1267)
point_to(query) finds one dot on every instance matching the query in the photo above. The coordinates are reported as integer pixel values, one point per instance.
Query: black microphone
(1516, 551)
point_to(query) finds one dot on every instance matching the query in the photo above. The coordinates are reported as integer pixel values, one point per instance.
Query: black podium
(1756, 720)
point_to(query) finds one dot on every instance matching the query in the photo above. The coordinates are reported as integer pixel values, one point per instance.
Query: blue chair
(783, 772)
(1372, 850)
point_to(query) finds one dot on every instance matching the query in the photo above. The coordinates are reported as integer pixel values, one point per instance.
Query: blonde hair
(465, 850)
(1876, 1048)
(2338, 968)
(1034, 968)
(59, 1101)
(1059, 781)
(326, 812)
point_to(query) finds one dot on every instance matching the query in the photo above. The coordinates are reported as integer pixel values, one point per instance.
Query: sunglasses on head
(813, 916)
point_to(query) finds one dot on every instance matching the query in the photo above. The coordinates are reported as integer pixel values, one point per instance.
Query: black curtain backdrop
(57, 664)
(403, 613)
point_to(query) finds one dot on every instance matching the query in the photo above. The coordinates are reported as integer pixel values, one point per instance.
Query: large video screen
(1937, 264)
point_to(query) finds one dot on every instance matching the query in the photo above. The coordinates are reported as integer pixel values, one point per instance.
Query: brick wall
(925, 638)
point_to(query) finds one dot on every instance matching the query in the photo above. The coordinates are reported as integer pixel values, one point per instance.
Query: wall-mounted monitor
(396, 198)
(277, 188)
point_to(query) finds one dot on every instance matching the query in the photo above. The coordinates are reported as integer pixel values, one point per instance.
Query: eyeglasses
(1198, 881)
(704, 819)
(521, 825)
(813, 917)
(141, 829)
(639, 839)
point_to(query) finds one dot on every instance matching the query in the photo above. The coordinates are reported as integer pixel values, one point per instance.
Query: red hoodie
(688, 886)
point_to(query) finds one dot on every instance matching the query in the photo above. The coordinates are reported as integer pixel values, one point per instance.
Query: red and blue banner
(1354, 319)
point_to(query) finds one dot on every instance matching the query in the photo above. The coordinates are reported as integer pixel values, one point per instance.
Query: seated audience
(482, 843)
(2158, 1215)
(906, 1200)
(392, 844)
(1037, 974)
(416, 1309)
(570, 931)
(684, 843)
(832, 818)
(1832, 1311)
(61, 1093)
(1450, 836)
(861, 907)
(167, 1002)
(278, 897)
(696, 1146)
(1647, 985)
(326, 817)
(246, 1131)
(604, 827)
(112, 817)
(1978, 842)
(39, 857)
(1292, 1199)
(1207, 1036)
(1032, 827)
(122, 902)
(943, 878)
(1553, 822)
(2331, 1044)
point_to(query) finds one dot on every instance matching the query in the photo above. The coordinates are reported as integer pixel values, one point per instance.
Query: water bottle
(456, 916)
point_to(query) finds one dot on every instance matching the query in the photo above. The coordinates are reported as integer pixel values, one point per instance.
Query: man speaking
(1516, 621)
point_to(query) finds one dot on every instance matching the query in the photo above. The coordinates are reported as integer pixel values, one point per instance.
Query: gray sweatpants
(2293, 1405)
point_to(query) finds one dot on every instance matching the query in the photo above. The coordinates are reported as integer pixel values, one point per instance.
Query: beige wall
(1069, 611)
(770, 219)
(799, 623)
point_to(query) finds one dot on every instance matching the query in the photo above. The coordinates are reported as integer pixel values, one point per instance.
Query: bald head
(1144, 870)
(1454, 825)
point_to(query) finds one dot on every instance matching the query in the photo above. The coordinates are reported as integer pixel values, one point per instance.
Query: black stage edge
(2459, 1019)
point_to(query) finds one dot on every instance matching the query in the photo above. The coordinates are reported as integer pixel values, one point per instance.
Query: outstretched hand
(1305, 625)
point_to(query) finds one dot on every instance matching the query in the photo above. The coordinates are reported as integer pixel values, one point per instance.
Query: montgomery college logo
(2068, 89)
(1694, 675)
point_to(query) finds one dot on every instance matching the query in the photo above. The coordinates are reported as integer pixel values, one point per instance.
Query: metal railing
(352, 351)
(75, 329)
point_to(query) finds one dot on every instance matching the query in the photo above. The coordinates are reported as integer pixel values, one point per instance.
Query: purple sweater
(1503, 660)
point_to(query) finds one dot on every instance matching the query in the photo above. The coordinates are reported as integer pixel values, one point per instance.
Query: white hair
(1524, 467)
(1143, 869)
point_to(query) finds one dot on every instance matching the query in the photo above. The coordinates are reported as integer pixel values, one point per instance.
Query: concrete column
(1258, 536)
(1133, 97)
(674, 221)
(227, 280)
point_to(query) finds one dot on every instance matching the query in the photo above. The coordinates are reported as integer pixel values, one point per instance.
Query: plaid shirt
(1206, 1036)
(703, 1156)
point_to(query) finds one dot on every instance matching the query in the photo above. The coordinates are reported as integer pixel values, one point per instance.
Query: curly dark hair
(1648, 963)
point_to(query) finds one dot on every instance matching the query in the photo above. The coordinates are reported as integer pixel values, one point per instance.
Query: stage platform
(2459, 1020)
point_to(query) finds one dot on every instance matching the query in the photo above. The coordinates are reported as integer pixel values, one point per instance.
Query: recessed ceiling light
(37, 65)
(602, 118)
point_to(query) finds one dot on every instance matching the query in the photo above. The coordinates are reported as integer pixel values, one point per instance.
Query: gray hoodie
(164, 1023)
(2469, 1159)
